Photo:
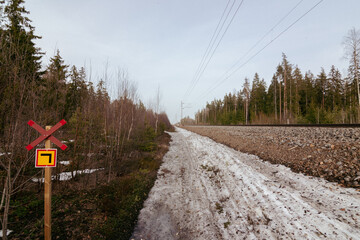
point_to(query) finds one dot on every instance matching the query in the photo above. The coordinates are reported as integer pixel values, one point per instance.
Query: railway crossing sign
(46, 134)
(45, 157)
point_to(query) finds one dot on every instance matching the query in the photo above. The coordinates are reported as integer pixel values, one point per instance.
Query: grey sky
(161, 42)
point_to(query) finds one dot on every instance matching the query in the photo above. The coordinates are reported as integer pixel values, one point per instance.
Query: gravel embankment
(330, 153)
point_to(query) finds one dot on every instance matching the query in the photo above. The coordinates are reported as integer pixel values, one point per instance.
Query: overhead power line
(202, 72)
(258, 52)
(204, 65)
(210, 45)
(263, 37)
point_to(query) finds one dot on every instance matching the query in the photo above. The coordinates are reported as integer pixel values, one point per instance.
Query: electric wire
(208, 48)
(262, 38)
(207, 63)
(211, 44)
(214, 50)
(257, 43)
(259, 51)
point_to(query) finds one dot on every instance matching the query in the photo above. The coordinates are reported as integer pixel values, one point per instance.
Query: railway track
(287, 125)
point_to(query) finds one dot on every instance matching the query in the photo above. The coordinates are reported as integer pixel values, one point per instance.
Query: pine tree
(286, 76)
(326, 98)
(272, 97)
(298, 81)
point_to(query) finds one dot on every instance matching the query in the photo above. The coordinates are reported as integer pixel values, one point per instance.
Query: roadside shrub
(147, 141)
(121, 202)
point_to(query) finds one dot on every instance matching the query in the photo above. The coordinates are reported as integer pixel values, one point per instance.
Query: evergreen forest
(294, 96)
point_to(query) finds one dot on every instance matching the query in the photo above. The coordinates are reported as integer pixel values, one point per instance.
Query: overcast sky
(161, 42)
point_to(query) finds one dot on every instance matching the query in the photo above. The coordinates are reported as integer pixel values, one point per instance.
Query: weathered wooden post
(47, 194)
(46, 158)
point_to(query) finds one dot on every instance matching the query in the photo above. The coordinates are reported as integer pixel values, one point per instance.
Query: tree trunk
(156, 123)
(275, 100)
(246, 112)
(323, 97)
(290, 106)
(357, 84)
(280, 101)
(285, 99)
(132, 123)
(297, 99)
(7, 190)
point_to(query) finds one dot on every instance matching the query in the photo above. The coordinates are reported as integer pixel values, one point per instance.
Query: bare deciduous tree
(351, 44)
(157, 107)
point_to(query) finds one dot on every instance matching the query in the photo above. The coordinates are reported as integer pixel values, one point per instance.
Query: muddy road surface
(206, 190)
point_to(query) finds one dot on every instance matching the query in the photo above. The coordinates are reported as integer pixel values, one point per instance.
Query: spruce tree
(321, 88)
(19, 62)
(20, 77)
(76, 91)
(54, 91)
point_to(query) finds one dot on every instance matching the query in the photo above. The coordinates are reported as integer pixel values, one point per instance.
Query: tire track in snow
(206, 190)
(201, 205)
(251, 199)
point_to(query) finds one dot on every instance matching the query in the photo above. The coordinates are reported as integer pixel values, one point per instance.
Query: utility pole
(182, 109)
(181, 117)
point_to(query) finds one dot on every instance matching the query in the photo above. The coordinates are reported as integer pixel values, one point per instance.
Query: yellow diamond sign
(45, 158)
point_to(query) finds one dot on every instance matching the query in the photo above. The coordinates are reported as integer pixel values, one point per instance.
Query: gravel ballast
(329, 153)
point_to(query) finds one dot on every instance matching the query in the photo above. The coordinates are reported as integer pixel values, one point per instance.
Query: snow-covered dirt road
(206, 190)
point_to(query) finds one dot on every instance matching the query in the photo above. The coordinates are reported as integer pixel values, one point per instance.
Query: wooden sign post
(47, 194)
(46, 134)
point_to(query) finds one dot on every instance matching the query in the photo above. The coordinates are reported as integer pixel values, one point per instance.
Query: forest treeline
(293, 97)
(109, 129)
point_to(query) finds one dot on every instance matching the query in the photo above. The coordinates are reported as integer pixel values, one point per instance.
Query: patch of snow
(206, 190)
(2, 154)
(88, 154)
(7, 233)
(64, 162)
(65, 176)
